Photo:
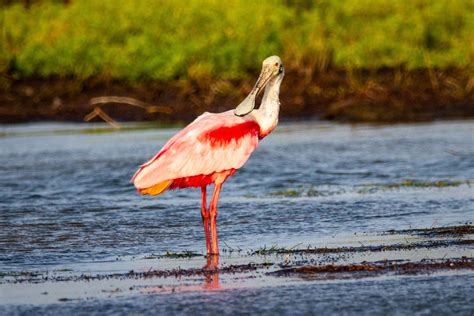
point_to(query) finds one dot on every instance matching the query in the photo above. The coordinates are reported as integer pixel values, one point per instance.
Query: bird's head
(272, 71)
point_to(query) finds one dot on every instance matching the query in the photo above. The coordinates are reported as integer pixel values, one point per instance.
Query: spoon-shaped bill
(248, 104)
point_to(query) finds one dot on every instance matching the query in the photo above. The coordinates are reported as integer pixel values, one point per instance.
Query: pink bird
(213, 147)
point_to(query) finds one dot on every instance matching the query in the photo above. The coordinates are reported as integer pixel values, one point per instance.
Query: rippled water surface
(66, 198)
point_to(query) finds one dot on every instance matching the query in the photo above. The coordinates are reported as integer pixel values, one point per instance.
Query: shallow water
(433, 295)
(66, 200)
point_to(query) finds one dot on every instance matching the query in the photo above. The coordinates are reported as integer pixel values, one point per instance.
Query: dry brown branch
(98, 101)
(91, 115)
(104, 116)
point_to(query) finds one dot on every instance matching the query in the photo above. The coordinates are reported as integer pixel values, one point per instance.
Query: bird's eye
(276, 64)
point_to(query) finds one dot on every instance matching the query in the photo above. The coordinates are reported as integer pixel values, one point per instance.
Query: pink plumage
(212, 144)
(213, 147)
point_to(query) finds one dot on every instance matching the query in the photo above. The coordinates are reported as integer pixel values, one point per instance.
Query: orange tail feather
(157, 189)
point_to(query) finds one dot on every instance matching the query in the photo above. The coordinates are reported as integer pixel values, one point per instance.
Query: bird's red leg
(205, 219)
(212, 275)
(213, 215)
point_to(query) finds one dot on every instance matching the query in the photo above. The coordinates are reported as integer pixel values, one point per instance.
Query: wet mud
(367, 269)
(438, 231)
(336, 95)
(280, 261)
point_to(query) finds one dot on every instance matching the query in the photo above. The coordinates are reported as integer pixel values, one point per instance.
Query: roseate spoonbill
(213, 147)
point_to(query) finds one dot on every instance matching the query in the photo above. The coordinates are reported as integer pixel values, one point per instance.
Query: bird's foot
(212, 262)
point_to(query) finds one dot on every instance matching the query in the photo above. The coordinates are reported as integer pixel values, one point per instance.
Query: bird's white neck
(267, 115)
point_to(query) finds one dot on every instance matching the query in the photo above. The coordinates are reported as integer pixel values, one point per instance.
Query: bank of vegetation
(344, 59)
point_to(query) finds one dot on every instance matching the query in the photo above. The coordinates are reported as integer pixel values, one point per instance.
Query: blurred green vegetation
(199, 39)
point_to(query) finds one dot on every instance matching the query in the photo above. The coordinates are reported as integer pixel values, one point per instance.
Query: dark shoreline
(383, 96)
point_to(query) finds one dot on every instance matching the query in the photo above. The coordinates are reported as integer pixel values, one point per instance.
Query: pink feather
(213, 143)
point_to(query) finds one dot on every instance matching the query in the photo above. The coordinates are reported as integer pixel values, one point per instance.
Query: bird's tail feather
(157, 188)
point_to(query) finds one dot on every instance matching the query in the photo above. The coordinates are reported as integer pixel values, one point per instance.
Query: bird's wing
(212, 143)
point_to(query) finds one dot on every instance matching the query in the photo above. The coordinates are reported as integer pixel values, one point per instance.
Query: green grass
(174, 255)
(370, 188)
(425, 184)
(301, 191)
(287, 193)
(208, 39)
(274, 249)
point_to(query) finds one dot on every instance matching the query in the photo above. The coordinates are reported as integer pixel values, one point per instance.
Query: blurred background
(359, 61)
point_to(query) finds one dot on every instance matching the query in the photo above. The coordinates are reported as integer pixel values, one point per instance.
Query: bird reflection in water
(212, 273)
